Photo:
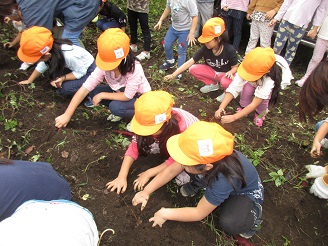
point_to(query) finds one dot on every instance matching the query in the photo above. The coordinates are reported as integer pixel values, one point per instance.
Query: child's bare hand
(219, 113)
(141, 181)
(96, 99)
(273, 22)
(119, 184)
(248, 16)
(158, 218)
(270, 14)
(227, 119)
(316, 149)
(229, 75)
(62, 121)
(24, 82)
(141, 197)
(158, 25)
(57, 83)
(191, 39)
(168, 77)
(8, 45)
(6, 19)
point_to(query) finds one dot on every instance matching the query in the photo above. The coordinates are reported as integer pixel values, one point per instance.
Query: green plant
(11, 125)
(278, 178)
(117, 140)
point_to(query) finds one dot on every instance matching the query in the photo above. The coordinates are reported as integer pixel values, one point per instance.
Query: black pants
(133, 18)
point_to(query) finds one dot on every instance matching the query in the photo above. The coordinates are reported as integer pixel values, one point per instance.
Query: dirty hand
(315, 171)
(8, 45)
(219, 113)
(62, 121)
(316, 149)
(158, 25)
(273, 22)
(24, 82)
(169, 77)
(141, 181)
(158, 218)
(270, 14)
(141, 197)
(191, 39)
(119, 184)
(320, 187)
(227, 119)
(57, 83)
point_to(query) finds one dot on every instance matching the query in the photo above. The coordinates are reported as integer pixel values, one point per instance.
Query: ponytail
(275, 75)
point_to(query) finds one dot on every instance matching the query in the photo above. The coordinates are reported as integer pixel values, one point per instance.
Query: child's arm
(321, 133)
(226, 100)
(187, 214)
(191, 37)
(14, 42)
(165, 14)
(62, 120)
(120, 183)
(180, 69)
(35, 74)
(113, 96)
(57, 83)
(144, 177)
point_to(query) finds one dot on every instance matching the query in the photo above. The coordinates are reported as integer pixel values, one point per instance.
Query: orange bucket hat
(151, 111)
(213, 28)
(201, 143)
(113, 46)
(256, 63)
(35, 42)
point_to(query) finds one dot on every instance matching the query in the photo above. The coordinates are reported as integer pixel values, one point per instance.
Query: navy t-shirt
(221, 188)
(23, 180)
(220, 63)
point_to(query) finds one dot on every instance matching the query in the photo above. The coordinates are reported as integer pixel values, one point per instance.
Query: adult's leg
(72, 35)
(133, 24)
(281, 37)
(254, 36)
(143, 20)
(182, 47)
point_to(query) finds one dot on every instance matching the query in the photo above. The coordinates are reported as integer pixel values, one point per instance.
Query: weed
(118, 140)
(89, 164)
(278, 178)
(11, 124)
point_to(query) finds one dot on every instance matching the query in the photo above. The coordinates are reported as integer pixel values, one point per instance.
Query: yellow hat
(202, 143)
(113, 46)
(213, 28)
(256, 63)
(151, 111)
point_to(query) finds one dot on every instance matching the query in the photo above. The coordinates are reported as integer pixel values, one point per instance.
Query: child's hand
(158, 25)
(8, 45)
(96, 99)
(141, 181)
(169, 77)
(273, 22)
(141, 197)
(248, 16)
(62, 121)
(57, 83)
(119, 184)
(6, 19)
(316, 149)
(270, 14)
(24, 82)
(229, 75)
(158, 218)
(191, 39)
(219, 113)
(312, 33)
(227, 119)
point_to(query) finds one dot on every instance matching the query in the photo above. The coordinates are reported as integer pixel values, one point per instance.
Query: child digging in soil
(258, 76)
(124, 76)
(69, 65)
(232, 181)
(220, 58)
(154, 122)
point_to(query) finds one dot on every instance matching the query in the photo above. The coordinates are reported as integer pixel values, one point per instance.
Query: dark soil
(86, 154)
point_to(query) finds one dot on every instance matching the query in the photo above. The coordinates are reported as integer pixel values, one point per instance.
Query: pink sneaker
(258, 120)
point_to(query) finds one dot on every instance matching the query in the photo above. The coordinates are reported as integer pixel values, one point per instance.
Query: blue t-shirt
(23, 180)
(221, 189)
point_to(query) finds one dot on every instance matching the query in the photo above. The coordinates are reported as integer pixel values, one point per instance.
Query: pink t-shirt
(135, 82)
(185, 120)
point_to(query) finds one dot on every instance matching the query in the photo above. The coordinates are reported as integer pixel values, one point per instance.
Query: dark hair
(127, 65)
(106, 8)
(314, 93)
(5, 161)
(57, 61)
(7, 8)
(230, 166)
(275, 75)
(223, 39)
(169, 129)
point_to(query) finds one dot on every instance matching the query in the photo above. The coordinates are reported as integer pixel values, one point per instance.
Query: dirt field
(88, 153)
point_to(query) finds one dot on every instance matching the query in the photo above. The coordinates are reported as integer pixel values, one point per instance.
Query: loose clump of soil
(88, 153)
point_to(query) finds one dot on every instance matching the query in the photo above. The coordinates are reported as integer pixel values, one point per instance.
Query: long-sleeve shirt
(300, 12)
(134, 83)
(185, 119)
(264, 5)
(241, 5)
(77, 59)
(323, 32)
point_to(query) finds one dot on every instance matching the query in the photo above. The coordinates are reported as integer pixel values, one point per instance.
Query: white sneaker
(220, 98)
(134, 48)
(324, 143)
(128, 127)
(143, 55)
(182, 178)
(114, 118)
(209, 88)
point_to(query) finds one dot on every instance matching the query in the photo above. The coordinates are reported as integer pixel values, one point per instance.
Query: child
(154, 122)
(259, 76)
(319, 51)
(124, 76)
(220, 58)
(56, 222)
(232, 181)
(111, 17)
(295, 15)
(234, 12)
(69, 65)
(261, 13)
(138, 10)
(184, 20)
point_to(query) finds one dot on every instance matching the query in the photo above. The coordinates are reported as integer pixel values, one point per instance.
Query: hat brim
(25, 58)
(245, 75)
(144, 130)
(177, 154)
(106, 66)
(203, 40)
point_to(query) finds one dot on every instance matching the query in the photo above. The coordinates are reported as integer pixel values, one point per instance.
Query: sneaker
(194, 186)
(114, 118)
(134, 48)
(166, 65)
(299, 83)
(257, 212)
(178, 77)
(128, 127)
(143, 55)
(220, 98)
(258, 120)
(88, 103)
(209, 88)
(324, 143)
(182, 178)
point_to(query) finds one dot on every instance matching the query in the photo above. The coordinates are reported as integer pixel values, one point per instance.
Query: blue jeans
(171, 36)
(104, 24)
(317, 126)
(118, 108)
(73, 36)
(70, 87)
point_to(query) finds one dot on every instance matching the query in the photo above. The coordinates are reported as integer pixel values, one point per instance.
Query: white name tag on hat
(217, 29)
(44, 50)
(119, 53)
(160, 118)
(205, 147)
